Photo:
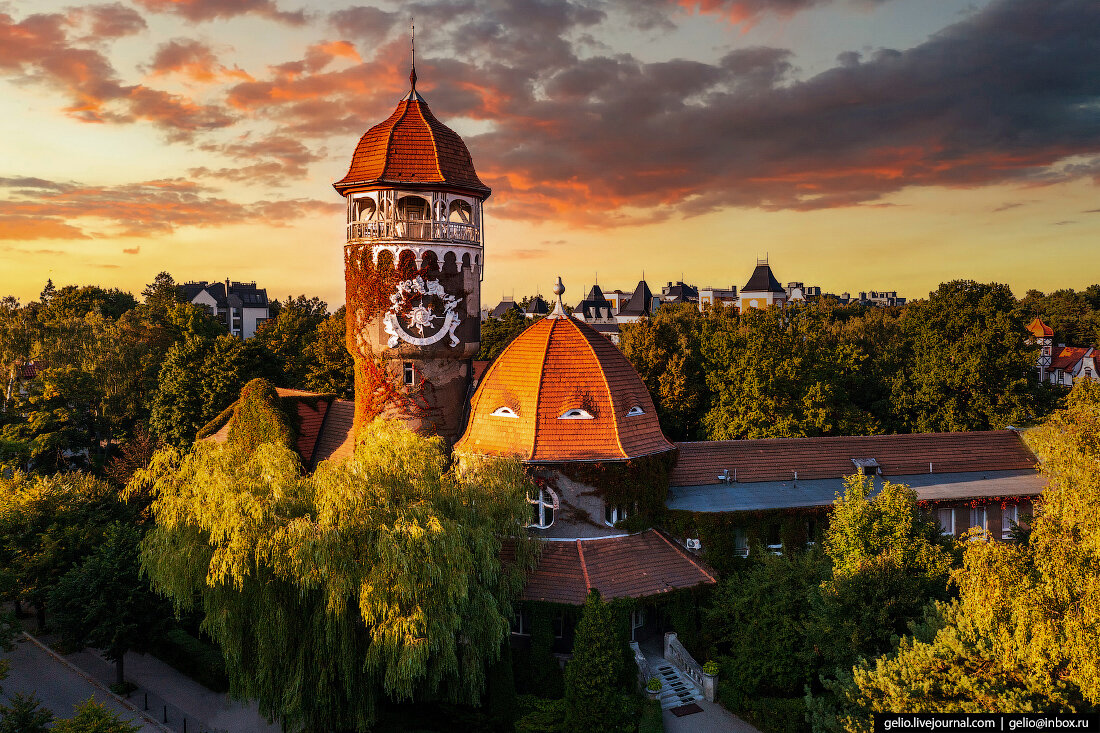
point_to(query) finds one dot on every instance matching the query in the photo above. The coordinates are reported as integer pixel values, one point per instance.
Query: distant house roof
(324, 425)
(1039, 329)
(537, 306)
(680, 293)
(640, 303)
(236, 295)
(763, 281)
(503, 307)
(777, 459)
(30, 369)
(629, 566)
(595, 305)
(1067, 357)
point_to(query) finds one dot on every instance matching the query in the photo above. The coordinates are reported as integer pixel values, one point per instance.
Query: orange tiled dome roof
(562, 392)
(412, 146)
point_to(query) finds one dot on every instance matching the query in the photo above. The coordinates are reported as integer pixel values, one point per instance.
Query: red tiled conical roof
(557, 365)
(412, 146)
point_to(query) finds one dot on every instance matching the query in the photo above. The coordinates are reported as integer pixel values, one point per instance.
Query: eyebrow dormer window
(636, 410)
(575, 414)
(504, 412)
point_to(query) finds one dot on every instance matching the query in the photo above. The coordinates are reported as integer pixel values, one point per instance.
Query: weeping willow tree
(375, 578)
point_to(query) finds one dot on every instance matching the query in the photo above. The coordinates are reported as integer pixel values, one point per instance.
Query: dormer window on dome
(576, 414)
(504, 411)
(636, 410)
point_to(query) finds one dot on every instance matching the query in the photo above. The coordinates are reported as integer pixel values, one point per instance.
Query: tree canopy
(381, 572)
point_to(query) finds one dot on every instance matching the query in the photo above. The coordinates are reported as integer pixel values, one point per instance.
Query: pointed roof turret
(762, 280)
(641, 303)
(412, 146)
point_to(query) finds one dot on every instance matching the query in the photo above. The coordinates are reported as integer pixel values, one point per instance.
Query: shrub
(654, 685)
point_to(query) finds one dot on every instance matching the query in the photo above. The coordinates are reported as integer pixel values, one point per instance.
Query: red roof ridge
(606, 384)
(584, 567)
(538, 389)
(431, 134)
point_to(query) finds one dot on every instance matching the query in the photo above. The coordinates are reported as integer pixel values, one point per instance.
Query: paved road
(713, 719)
(184, 698)
(34, 670)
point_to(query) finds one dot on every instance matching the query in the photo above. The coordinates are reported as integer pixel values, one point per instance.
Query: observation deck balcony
(420, 230)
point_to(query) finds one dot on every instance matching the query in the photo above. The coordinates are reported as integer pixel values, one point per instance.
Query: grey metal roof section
(741, 497)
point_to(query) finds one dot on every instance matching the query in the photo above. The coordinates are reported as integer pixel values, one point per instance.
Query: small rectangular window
(558, 624)
(410, 374)
(946, 518)
(1010, 517)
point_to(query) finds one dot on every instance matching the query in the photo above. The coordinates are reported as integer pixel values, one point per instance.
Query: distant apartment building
(241, 307)
(596, 310)
(762, 289)
(679, 293)
(712, 296)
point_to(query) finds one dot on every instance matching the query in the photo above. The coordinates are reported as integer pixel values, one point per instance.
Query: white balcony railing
(415, 229)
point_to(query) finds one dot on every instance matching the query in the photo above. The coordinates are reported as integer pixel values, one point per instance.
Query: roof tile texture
(557, 365)
(1066, 357)
(699, 464)
(412, 146)
(635, 566)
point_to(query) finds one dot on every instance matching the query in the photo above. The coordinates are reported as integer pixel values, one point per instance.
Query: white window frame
(520, 624)
(979, 517)
(576, 413)
(613, 513)
(1010, 519)
(740, 543)
(950, 513)
(408, 373)
(634, 411)
(546, 501)
(504, 411)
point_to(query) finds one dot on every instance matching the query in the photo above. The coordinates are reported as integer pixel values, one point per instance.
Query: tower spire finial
(412, 42)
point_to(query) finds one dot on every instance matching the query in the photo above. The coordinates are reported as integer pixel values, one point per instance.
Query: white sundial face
(422, 314)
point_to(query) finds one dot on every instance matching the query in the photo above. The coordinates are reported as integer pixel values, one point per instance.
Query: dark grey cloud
(199, 11)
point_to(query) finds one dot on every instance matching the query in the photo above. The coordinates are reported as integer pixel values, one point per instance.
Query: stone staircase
(677, 689)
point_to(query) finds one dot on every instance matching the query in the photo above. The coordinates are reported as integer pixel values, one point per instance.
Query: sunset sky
(860, 144)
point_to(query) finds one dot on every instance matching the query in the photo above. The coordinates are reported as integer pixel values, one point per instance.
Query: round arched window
(460, 212)
(543, 507)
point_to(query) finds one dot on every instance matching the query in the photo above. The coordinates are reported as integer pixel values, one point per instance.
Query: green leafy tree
(666, 352)
(779, 373)
(24, 715)
(497, 333)
(105, 602)
(756, 621)
(947, 665)
(377, 577)
(290, 335)
(1023, 635)
(93, 717)
(48, 525)
(199, 379)
(160, 295)
(969, 364)
(1074, 316)
(16, 342)
(888, 563)
(594, 690)
(79, 301)
(331, 368)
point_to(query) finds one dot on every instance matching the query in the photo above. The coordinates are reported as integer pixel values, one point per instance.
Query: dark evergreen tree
(595, 696)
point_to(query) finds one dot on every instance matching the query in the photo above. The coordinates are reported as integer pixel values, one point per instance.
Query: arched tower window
(413, 208)
(460, 212)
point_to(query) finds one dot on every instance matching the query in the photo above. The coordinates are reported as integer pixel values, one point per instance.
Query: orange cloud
(193, 60)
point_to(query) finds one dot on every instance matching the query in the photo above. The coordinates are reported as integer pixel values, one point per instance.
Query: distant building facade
(762, 289)
(240, 306)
